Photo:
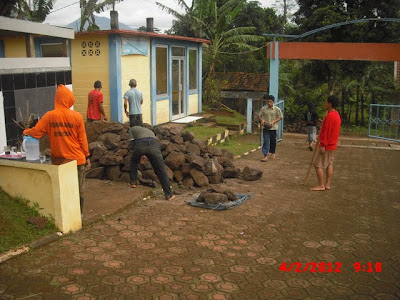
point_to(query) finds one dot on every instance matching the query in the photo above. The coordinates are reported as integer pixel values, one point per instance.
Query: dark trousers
(135, 120)
(269, 144)
(81, 181)
(150, 148)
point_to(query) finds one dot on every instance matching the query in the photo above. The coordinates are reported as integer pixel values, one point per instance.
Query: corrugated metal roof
(142, 33)
(241, 81)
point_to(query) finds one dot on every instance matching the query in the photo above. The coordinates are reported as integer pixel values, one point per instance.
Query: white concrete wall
(3, 137)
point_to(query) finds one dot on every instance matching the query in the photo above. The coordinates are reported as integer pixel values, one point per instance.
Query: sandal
(265, 159)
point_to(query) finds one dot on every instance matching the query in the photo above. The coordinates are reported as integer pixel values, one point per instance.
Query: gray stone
(95, 173)
(181, 147)
(250, 174)
(164, 144)
(170, 148)
(121, 152)
(199, 178)
(169, 172)
(196, 162)
(161, 131)
(94, 145)
(210, 168)
(110, 140)
(231, 195)
(175, 160)
(175, 131)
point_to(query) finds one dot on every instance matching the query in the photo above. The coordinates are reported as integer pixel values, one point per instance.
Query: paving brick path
(164, 250)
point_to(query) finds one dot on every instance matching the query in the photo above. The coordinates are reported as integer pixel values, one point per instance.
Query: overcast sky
(131, 12)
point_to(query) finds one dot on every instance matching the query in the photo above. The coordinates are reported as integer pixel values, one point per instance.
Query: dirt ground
(170, 250)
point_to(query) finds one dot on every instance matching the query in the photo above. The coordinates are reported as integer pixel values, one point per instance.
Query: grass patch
(238, 147)
(235, 120)
(354, 130)
(14, 229)
(203, 132)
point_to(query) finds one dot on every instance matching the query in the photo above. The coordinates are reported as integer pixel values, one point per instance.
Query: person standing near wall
(328, 138)
(269, 117)
(95, 110)
(134, 98)
(311, 118)
(67, 134)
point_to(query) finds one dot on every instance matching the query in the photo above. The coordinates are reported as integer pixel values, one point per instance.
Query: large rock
(94, 145)
(150, 174)
(177, 139)
(210, 167)
(95, 173)
(125, 136)
(178, 175)
(110, 159)
(121, 152)
(199, 178)
(217, 178)
(125, 144)
(185, 169)
(175, 160)
(113, 173)
(231, 195)
(161, 131)
(193, 149)
(229, 155)
(187, 136)
(98, 152)
(188, 182)
(169, 172)
(214, 151)
(181, 147)
(175, 131)
(250, 174)
(164, 144)
(125, 177)
(214, 198)
(170, 148)
(127, 163)
(231, 172)
(114, 128)
(196, 162)
(110, 140)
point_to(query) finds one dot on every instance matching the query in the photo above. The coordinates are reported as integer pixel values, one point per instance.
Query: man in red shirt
(328, 138)
(95, 111)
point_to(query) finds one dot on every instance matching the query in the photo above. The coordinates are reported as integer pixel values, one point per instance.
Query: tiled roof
(241, 81)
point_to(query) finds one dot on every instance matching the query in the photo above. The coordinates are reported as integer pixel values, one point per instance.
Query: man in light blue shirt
(135, 99)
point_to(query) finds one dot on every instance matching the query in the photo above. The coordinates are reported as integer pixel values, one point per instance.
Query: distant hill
(102, 22)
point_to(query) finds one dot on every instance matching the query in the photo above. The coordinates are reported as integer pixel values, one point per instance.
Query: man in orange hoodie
(67, 134)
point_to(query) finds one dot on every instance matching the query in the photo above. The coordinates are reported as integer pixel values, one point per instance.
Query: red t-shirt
(94, 99)
(329, 133)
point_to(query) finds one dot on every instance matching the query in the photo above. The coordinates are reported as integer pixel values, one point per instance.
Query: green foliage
(14, 229)
(88, 8)
(36, 10)
(235, 120)
(237, 145)
(212, 91)
(204, 132)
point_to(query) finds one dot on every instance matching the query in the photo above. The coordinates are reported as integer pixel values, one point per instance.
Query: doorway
(178, 84)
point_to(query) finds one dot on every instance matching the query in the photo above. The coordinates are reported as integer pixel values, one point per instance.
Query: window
(192, 69)
(53, 50)
(178, 51)
(161, 70)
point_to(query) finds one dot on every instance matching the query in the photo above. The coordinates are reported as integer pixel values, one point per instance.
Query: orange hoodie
(65, 128)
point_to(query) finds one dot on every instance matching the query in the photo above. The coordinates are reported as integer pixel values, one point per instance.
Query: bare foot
(272, 156)
(132, 185)
(171, 198)
(327, 188)
(318, 188)
(265, 159)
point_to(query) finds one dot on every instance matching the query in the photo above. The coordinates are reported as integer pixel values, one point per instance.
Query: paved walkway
(169, 250)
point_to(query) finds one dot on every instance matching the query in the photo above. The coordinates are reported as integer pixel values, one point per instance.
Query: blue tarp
(220, 206)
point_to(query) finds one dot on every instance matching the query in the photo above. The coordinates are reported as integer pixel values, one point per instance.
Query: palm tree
(36, 10)
(88, 8)
(213, 22)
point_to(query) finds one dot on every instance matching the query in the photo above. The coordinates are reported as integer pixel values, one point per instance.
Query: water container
(31, 147)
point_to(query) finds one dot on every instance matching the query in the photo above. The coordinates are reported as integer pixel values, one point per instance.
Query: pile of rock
(188, 162)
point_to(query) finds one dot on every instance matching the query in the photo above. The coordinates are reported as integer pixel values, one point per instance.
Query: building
(167, 69)
(34, 58)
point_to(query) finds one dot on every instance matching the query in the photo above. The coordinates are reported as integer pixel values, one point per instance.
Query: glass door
(178, 92)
